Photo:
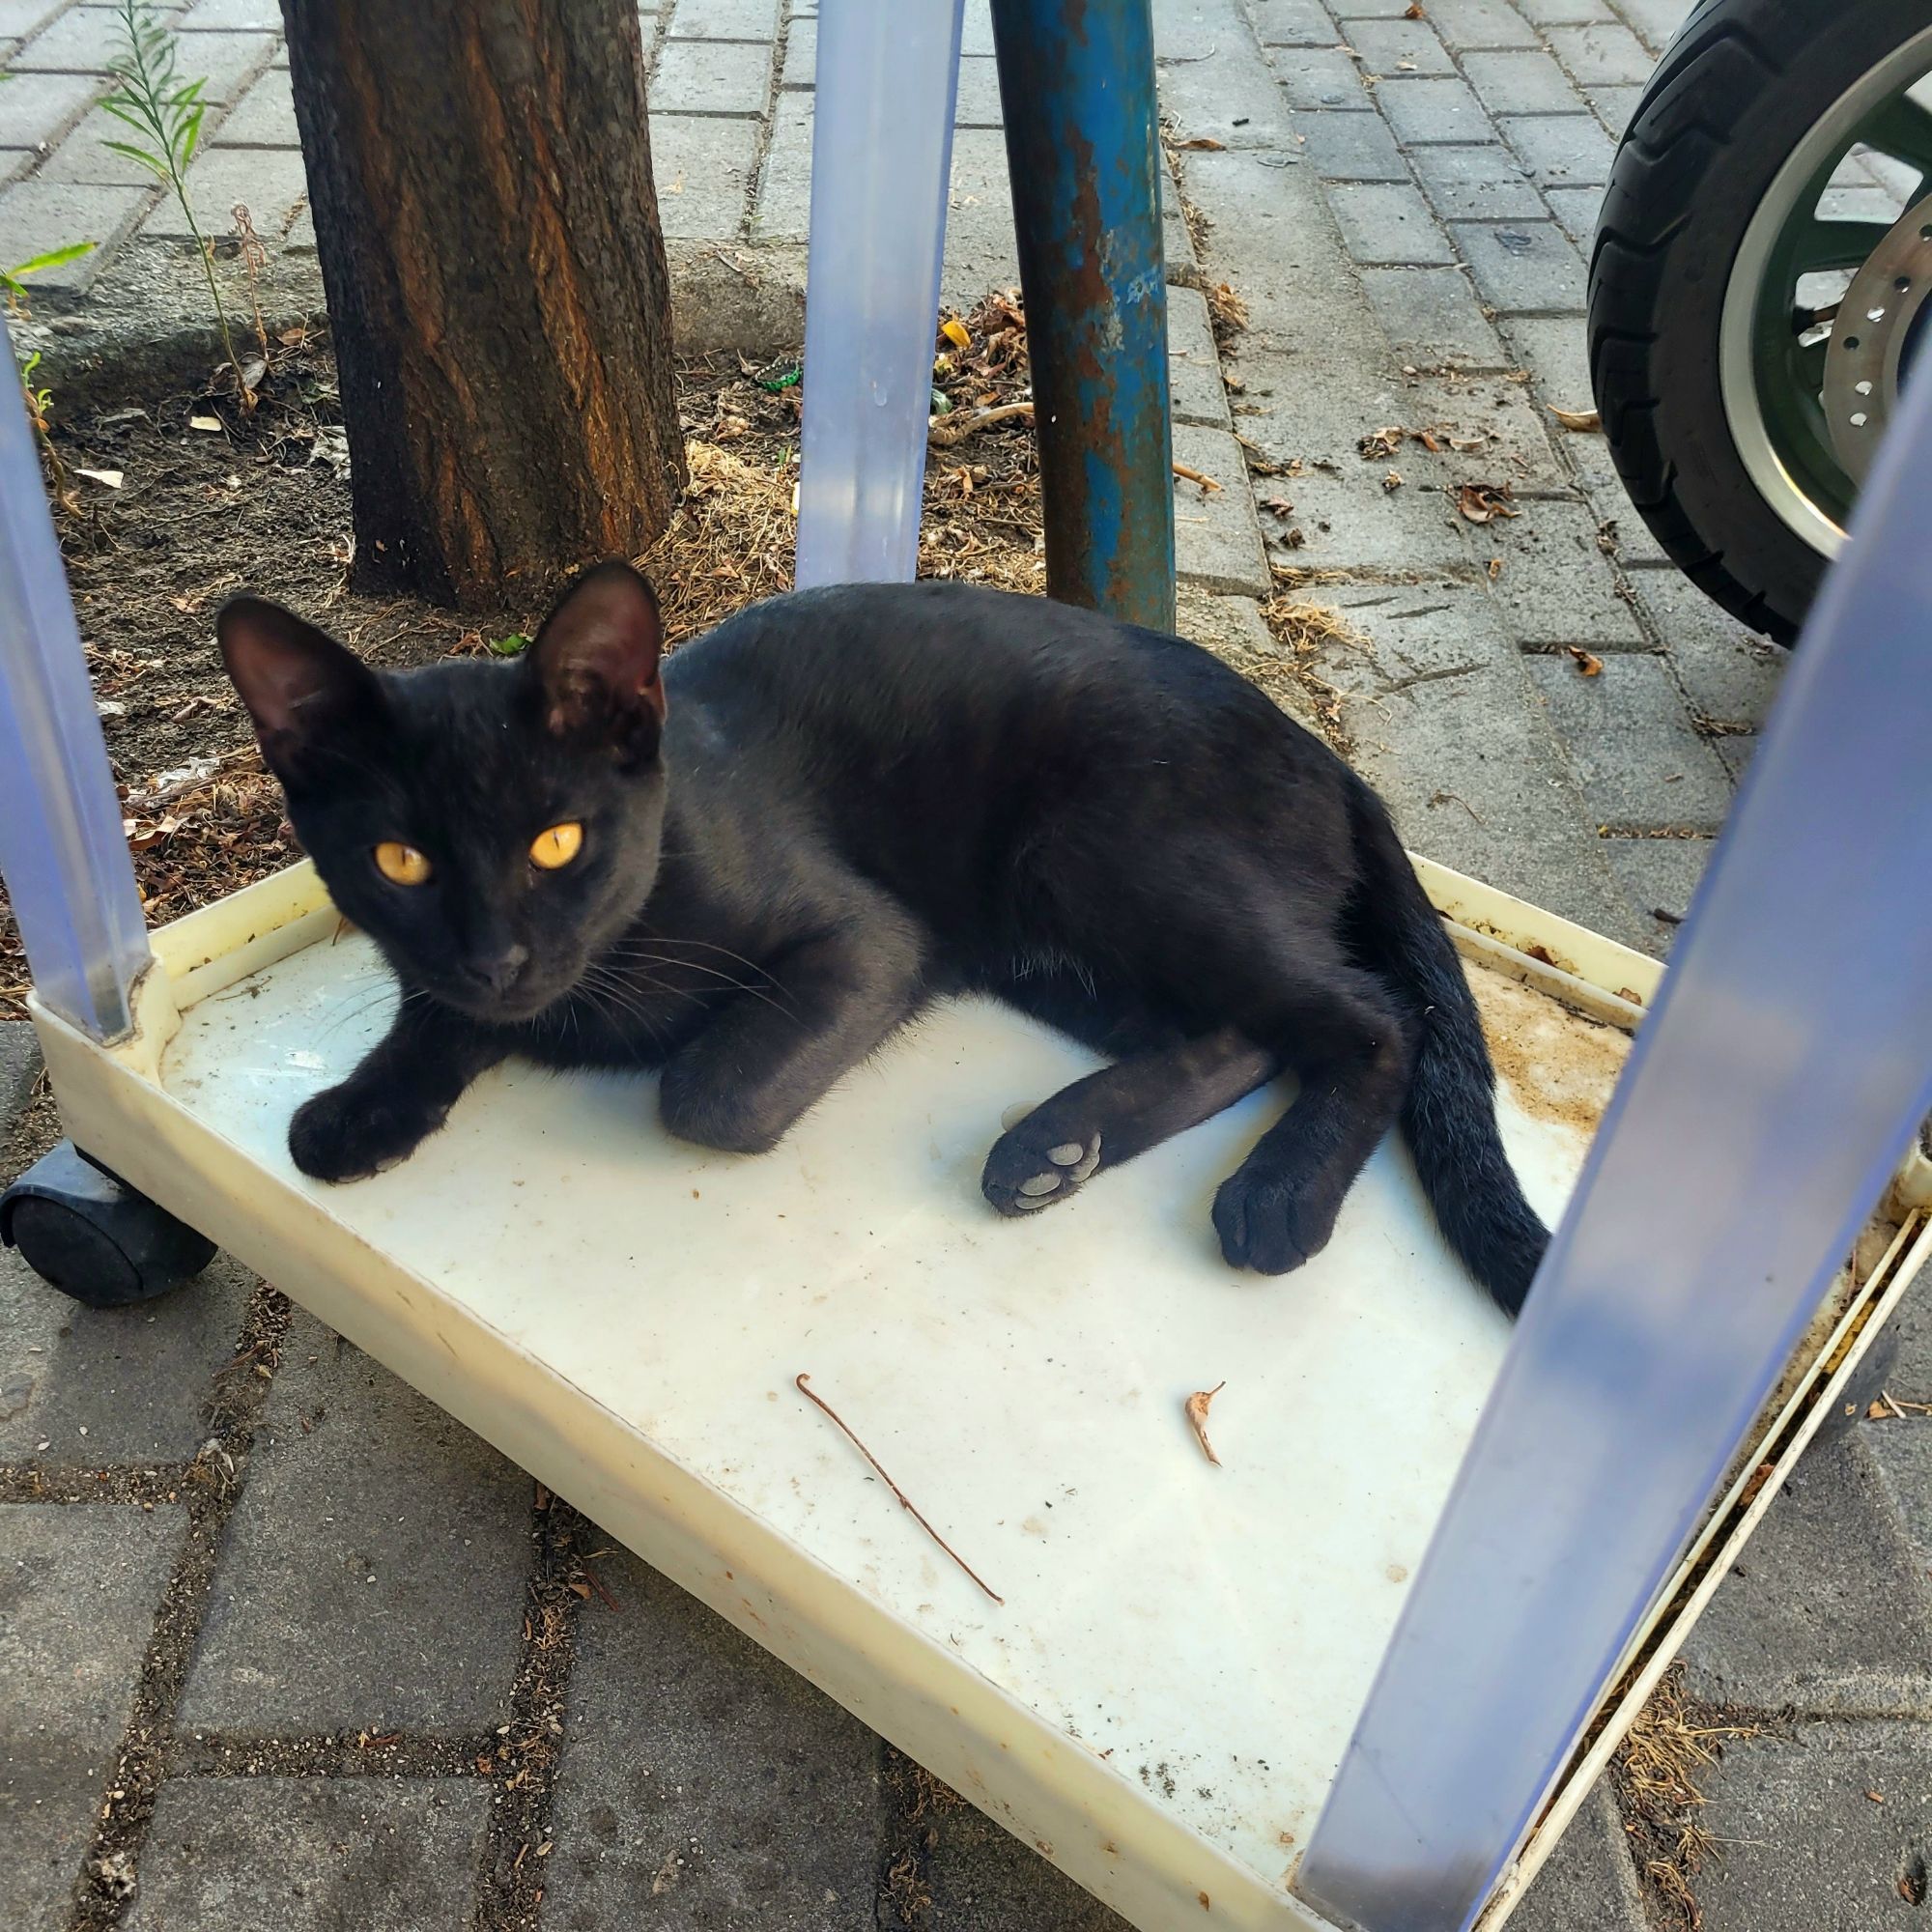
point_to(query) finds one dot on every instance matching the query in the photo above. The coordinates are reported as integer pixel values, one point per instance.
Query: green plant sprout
(40, 400)
(154, 99)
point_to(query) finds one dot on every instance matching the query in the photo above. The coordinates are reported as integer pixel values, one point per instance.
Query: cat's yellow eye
(401, 864)
(557, 846)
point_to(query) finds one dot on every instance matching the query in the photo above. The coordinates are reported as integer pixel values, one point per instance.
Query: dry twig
(905, 1502)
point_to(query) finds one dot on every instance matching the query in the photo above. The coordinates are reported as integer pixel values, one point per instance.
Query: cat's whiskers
(635, 956)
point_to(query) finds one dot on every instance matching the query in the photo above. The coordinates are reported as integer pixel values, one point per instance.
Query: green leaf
(54, 258)
(186, 138)
(512, 646)
(154, 163)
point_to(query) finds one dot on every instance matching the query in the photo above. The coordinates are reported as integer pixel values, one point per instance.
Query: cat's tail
(1449, 1117)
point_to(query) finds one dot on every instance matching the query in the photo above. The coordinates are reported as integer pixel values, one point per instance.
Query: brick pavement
(335, 1664)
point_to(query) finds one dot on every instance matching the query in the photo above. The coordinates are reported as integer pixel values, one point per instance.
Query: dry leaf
(1393, 480)
(1414, 11)
(1468, 445)
(1496, 568)
(212, 424)
(1204, 141)
(1382, 441)
(1485, 503)
(1877, 1797)
(1877, 1412)
(1582, 421)
(1277, 506)
(1587, 662)
(110, 477)
(1197, 1419)
(955, 333)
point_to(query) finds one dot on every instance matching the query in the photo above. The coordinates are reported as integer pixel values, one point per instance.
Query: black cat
(836, 807)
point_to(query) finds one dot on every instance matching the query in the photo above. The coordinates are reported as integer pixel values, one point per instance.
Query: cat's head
(489, 825)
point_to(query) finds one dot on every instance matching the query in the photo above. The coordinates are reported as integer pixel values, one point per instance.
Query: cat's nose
(494, 972)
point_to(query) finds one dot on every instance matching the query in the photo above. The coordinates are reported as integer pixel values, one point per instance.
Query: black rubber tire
(1742, 84)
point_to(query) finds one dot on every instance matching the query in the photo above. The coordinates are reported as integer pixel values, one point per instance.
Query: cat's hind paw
(1032, 1165)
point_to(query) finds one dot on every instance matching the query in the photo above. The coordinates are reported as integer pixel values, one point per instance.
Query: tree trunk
(480, 175)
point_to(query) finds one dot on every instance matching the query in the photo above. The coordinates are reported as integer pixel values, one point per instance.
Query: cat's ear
(596, 664)
(303, 690)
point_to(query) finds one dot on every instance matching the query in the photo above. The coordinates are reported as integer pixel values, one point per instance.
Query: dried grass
(1304, 631)
(1658, 1767)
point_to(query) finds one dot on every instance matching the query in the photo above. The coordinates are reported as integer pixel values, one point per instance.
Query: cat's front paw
(1036, 1163)
(352, 1131)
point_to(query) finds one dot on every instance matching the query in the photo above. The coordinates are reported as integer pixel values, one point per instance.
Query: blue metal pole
(1077, 90)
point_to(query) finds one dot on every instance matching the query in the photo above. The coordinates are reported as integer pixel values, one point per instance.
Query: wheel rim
(1775, 350)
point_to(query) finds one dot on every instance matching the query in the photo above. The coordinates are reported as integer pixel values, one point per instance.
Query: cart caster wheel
(92, 1237)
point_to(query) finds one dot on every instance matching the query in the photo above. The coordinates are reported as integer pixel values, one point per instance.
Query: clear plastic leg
(1767, 1103)
(881, 160)
(62, 852)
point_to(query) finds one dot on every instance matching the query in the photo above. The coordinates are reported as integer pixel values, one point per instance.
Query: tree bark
(480, 177)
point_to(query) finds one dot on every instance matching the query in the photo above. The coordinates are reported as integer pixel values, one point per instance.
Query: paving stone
(241, 16)
(1352, 147)
(783, 212)
(1383, 224)
(732, 1794)
(1616, 106)
(1426, 111)
(1576, 209)
(1438, 707)
(1521, 83)
(1910, 1375)
(39, 216)
(712, 77)
(1805, 1848)
(354, 1477)
(225, 63)
(82, 40)
(1903, 1453)
(1659, 875)
(1293, 23)
(20, 17)
(978, 102)
(19, 1069)
(1430, 317)
(975, 36)
(1518, 437)
(702, 164)
(1224, 94)
(1523, 267)
(1630, 742)
(1319, 77)
(84, 158)
(1552, 348)
(1471, 26)
(312, 1855)
(1216, 542)
(99, 1386)
(979, 248)
(1656, 21)
(1604, 55)
(79, 1585)
(1477, 184)
(725, 20)
(36, 108)
(1193, 364)
(1728, 673)
(801, 55)
(270, 182)
(1563, 13)
(981, 1879)
(264, 116)
(1588, 1883)
(1561, 149)
(1399, 47)
(1635, 546)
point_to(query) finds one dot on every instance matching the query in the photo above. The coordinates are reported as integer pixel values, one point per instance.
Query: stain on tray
(1557, 1064)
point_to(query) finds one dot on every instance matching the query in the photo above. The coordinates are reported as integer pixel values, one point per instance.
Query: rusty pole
(1077, 90)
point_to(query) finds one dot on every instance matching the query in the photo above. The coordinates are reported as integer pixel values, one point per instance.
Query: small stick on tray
(905, 1502)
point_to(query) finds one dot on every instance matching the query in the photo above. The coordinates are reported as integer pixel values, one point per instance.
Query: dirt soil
(211, 501)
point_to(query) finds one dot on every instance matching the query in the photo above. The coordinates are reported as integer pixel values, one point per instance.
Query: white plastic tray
(1161, 1700)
